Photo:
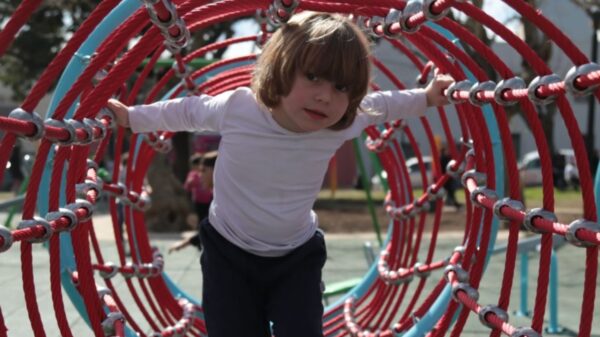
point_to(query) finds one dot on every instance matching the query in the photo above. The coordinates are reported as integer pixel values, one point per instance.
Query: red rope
(3, 329)
(16, 21)
(510, 160)
(64, 56)
(29, 290)
(55, 269)
(381, 303)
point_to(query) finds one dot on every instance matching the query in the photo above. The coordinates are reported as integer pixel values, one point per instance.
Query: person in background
(200, 195)
(451, 183)
(120, 205)
(205, 168)
(16, 169)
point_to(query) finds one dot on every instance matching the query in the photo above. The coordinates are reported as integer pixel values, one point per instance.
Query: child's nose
(324, 92)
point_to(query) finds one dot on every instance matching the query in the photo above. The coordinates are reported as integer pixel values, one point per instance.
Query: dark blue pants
(243, 292)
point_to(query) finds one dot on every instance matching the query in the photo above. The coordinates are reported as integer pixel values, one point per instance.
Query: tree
(586, 4)
(39, 40)
(478, 30)
(592, 9)
(540, 43)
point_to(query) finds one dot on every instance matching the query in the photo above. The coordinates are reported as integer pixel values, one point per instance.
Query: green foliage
(46, 32)
(39, 40)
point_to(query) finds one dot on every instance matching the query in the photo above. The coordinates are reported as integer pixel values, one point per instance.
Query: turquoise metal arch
(427, 322)
(75, 67)
(73, 70)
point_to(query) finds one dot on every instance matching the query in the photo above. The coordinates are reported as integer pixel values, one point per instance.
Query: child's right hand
(120, 111)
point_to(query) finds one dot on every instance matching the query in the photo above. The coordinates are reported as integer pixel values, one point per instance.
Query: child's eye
(311, 77)
(341, 88)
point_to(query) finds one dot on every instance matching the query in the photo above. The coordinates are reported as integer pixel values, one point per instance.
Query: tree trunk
(546, 115)
(181, 150)
(170, 202)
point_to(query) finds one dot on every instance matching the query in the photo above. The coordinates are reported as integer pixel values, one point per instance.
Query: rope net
(103, 55)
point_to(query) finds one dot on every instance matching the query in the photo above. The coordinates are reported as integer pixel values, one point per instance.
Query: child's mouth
(316, 115)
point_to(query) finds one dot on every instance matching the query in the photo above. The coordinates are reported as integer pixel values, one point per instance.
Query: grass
(5, 195)
(566, 198)
(533, 197)
(349, 195)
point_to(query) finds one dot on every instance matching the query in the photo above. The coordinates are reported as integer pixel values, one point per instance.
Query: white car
(414, 172)
(530, 169)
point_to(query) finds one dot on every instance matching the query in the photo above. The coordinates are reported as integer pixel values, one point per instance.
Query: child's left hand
(435, 90)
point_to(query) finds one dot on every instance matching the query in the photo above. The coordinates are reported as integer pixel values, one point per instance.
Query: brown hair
(327, 45)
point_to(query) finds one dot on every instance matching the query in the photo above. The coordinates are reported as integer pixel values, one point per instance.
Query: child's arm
(179, 245)
(388, 105)
(191, 113)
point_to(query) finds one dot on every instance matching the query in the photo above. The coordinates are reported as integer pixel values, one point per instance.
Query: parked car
(565, 172)
(414, 172)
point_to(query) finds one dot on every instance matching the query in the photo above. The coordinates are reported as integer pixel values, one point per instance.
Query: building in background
(569, 18)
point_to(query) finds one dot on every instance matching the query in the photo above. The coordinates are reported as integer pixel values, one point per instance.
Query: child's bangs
(336, 61)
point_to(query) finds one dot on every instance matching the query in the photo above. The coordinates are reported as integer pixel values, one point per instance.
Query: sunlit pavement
(346, 260)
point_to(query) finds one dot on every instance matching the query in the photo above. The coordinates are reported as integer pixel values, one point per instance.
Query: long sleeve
(384, 106)
(180, 114)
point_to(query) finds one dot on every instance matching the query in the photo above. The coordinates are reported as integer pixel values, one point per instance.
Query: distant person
(206, 168)
(594, 158)
(262, 253)
(200, 194)
(119, 203)
(16, 169)
(558, 171)
(571, 174)
(451, 184)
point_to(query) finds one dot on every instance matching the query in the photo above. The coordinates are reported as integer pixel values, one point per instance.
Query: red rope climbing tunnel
(412, 276)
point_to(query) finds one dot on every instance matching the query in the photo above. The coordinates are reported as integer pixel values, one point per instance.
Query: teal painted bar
(524, 284)
(361, 289)
(553, 326)
(427, 322)
(75, 67)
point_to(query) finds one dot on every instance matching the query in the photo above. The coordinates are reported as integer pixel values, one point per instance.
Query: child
(263, 254)
(195, 184)
(205, 168)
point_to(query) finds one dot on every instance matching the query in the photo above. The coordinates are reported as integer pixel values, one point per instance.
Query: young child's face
(207, 176)
(312, 104)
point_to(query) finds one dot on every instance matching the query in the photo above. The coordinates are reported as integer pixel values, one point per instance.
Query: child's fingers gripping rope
(120, 111)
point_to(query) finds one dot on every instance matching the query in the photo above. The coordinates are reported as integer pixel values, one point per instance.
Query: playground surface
(346, 260)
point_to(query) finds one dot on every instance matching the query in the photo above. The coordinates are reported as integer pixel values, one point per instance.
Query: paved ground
(346, 260)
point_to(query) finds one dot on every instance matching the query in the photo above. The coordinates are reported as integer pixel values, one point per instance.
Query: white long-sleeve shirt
(267, 178)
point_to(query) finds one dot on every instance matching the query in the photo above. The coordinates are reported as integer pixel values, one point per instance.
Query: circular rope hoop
(413, 289)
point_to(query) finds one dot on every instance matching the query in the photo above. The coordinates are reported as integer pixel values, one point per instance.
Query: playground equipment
(389, 301)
